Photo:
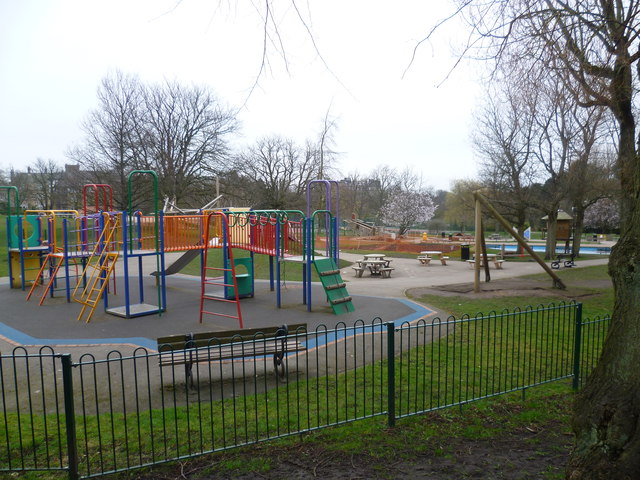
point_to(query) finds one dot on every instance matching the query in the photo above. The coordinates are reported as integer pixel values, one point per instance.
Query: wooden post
(521, 241)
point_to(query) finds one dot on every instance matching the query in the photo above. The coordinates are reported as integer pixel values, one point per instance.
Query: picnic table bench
(190, 348)
(497, 262)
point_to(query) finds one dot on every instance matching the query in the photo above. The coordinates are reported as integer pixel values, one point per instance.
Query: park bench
(424, 259)
(190, 348)
(444, 259)
(567, 261)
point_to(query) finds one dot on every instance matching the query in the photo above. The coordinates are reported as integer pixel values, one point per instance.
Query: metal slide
(180, 263)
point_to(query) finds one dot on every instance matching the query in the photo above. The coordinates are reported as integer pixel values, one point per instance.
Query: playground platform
(55, 322)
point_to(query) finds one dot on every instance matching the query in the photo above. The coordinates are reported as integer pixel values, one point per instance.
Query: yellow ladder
(101, 264)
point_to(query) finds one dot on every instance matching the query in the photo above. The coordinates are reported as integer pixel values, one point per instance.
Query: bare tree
(184, 136)
(504, 144)
(326, 145)
(280, 169)
(46, 176)
(595, 44)
(179, 132)
(112, 141)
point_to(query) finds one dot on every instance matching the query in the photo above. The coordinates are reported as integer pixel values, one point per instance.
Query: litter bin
(244, 280)
(465, 252)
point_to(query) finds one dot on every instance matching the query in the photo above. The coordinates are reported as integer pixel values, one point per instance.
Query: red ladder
(217, 277)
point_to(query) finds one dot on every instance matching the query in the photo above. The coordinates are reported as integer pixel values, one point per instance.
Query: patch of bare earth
(523, 454)
(514, 287)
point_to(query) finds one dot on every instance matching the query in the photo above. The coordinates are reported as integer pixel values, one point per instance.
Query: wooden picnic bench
(190, 348)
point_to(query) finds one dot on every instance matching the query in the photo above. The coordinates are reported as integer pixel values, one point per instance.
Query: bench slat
(234, 350)
(226, 336)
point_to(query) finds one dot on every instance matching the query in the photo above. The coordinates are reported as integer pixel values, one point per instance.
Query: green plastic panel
(329, 274)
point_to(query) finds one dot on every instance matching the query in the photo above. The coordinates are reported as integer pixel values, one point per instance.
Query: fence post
(391, 375)
(576, 347)
(70, 415)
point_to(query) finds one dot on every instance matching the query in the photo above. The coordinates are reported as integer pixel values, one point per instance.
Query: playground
(103, 277)
(100, 276)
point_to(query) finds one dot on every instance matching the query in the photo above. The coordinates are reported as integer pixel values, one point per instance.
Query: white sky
(53, 55)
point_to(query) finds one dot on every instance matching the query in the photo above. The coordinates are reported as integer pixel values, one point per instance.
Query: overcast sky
(53, 55)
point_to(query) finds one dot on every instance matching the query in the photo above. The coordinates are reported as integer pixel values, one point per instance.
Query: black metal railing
(127, 410)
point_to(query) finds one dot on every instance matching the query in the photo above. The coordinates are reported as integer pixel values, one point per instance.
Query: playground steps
(91, 294)
(334, 286)
(100, 265)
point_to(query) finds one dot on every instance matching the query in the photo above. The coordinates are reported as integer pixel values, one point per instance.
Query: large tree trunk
(552, 235)
(607, 412)
(606, 417)
(578, 225)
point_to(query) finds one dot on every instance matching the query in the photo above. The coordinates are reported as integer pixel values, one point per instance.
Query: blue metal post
(163, 277)
(278, 292)
(309, 259)
(21, 249)
(65, 254)
(9, 251)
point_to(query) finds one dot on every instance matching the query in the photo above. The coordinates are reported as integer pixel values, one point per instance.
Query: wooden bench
(424, 259)
(191, 348)
(386, 272)
(443, 260)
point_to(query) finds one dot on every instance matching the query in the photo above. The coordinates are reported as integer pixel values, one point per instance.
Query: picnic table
(491, 257)
(375, 263)
(427, 255)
